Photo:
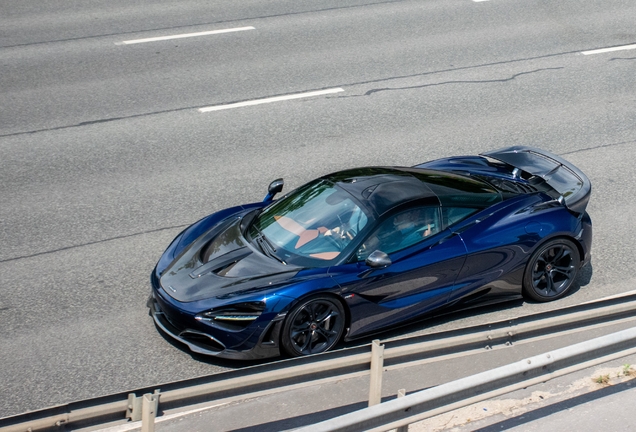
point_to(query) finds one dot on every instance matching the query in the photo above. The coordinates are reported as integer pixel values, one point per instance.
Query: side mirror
(274, 187)
(378, 260)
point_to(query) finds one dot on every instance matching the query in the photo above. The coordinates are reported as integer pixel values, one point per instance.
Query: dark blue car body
(509, 222)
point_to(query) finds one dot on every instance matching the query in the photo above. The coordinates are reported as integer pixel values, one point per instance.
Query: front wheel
(551, 270)
(313, 326)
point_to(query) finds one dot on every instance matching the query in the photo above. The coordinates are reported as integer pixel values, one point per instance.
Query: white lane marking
(479, 1)
(185, 35)
(625, 294)
(270, 100)
(606, 50)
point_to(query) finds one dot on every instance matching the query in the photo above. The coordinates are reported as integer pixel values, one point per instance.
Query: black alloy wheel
(313, 326)
(551, 270)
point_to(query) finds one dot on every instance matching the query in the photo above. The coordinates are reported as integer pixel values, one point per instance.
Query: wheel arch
(573, 239)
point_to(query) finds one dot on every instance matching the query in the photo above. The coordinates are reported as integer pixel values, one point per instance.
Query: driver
(405, 229)
(347, 226)
(413, 221)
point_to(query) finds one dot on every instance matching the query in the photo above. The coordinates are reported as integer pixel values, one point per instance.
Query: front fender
(312, 285)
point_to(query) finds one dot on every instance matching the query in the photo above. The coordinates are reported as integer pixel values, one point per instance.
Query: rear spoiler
(561, 175)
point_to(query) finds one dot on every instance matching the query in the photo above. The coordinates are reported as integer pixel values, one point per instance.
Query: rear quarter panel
(499, 246)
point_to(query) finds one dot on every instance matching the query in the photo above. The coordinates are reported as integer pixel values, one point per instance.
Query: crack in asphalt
(93, 243)
(622, 58)
(599, 147)
(92, 122)
(370, 92)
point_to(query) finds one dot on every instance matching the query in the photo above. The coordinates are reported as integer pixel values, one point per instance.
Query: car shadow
(585, 275)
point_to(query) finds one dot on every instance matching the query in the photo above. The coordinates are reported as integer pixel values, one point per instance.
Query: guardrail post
(375, 381)
(133, 411)
(401, 393)
(149, 411)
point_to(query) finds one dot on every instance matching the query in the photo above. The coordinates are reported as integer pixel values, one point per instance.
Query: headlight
(234, 317)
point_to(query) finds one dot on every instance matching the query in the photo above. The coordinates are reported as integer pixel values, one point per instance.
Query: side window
(452, 215)
(402, 230)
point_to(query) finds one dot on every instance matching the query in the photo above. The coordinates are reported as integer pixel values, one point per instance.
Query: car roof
(385, 188)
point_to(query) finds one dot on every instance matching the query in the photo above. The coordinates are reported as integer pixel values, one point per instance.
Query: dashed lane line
(271, 99)
(184, 35)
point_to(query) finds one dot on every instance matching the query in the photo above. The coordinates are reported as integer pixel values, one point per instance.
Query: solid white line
(185, 35)
(270, 100)
(606, 50)
(479, 1)
(625, 294)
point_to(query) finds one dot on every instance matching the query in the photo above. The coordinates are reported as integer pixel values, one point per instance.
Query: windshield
(312, 225)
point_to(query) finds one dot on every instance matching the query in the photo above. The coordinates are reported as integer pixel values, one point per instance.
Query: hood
(219, 263)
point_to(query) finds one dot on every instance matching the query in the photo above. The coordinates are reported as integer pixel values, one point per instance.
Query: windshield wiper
(266, 245)
(269, 250)
(268, 242)
(261, 236)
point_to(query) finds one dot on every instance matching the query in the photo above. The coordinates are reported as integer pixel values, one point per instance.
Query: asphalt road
(105, 156)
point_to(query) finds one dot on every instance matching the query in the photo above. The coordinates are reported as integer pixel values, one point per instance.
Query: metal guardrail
(455, 394)
(337, 364)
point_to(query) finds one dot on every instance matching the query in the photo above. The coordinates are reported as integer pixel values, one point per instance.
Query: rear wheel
(313, 326)
(551, 271)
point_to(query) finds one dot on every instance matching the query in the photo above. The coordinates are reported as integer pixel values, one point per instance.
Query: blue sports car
(363, 250)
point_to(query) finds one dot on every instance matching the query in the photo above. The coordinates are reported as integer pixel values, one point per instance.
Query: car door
(425, 261)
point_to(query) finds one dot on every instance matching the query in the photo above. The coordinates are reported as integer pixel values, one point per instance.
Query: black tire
(551, 271)
(313, 326)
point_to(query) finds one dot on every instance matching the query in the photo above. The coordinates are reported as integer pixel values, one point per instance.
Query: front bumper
(249, 344)
(204, 343)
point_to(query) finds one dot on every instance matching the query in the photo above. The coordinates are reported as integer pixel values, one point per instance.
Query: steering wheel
(335, 241)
